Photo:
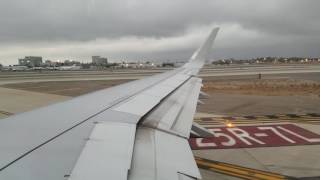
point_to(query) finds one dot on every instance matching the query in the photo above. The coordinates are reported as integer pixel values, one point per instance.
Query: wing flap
(175, 113)
(109, 142)
(174, 156)
(162, 156)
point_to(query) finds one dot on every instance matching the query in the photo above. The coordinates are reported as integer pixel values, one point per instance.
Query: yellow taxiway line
(237, 171)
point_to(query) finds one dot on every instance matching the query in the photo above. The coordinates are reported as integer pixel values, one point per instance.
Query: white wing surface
(136, 131)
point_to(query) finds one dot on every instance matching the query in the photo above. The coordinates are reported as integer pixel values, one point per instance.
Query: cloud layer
(158, 30)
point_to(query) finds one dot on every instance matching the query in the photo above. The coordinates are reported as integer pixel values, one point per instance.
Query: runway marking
(260, 134)
(6, 113)
(255, 136)
(237, 171)
(311, 118)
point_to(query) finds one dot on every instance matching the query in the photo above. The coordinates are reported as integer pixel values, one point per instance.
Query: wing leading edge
(137, 130)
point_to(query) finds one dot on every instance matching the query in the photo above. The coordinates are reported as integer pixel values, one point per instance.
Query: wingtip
(203, 51)
(216, 29)
(199, 57)
(214, 32)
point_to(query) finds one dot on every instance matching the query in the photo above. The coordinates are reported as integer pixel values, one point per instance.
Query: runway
(208, 71)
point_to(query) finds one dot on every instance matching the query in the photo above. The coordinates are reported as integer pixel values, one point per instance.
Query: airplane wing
(138, 130)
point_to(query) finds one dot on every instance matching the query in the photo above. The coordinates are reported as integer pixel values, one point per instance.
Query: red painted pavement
(256, 136)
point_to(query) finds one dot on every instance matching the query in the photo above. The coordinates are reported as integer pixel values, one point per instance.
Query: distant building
(32, 61)
(97, 60)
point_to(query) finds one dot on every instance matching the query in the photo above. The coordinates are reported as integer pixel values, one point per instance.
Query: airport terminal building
(33, 61)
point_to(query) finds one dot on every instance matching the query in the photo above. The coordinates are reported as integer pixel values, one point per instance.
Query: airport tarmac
(226, 100)
(208, 71)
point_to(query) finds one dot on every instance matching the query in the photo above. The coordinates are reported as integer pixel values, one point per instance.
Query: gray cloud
(167, 29)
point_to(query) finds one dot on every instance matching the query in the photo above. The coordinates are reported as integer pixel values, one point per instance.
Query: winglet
(202, 53)
(200, 56)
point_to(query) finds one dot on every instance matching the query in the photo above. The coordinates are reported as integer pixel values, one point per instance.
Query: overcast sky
(157, 29)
